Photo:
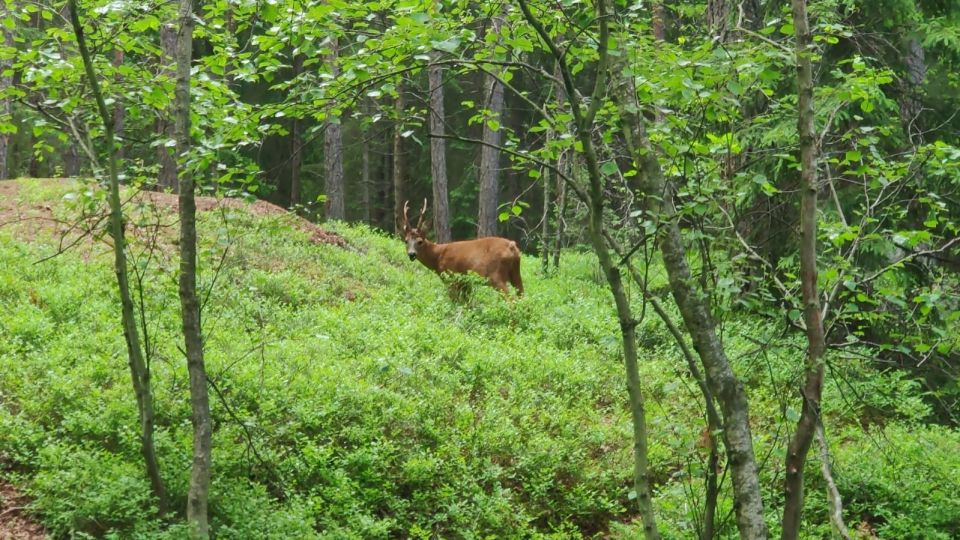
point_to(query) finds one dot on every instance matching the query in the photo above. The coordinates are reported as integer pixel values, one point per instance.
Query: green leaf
(609, 168)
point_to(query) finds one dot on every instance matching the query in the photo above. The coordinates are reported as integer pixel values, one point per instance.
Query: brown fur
(496, 259)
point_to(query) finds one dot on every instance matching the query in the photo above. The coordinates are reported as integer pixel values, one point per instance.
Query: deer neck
(429, 255)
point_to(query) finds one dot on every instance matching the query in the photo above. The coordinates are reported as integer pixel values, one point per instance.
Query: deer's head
(414, 236)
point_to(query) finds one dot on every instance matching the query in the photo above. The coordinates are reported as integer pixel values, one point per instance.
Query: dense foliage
(355, 400)
(353, 396)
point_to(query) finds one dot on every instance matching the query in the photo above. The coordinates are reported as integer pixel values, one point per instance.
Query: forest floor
(14, 523)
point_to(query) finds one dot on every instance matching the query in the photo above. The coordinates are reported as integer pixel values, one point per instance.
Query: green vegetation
(354, 399)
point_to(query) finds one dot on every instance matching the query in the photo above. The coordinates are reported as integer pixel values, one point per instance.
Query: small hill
(354, 399)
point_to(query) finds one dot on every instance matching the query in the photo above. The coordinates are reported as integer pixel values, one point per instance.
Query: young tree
(816, 346)
(189, 303)
(139, 369)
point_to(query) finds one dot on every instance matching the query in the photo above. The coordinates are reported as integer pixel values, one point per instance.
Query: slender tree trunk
(119, 110)
(139, 370)
(813, 368)
(333, 154)
(489, 154)
(723, 383)
(399, 183)
(167, 177)
(190, 307)
(438, 157)
(6, 81)
(594, 198)
(296, 144)
(365, 177)
(833, 494)
(547, 177)
(561, 211)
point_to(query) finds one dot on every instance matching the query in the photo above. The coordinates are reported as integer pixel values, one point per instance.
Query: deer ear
(425, 228)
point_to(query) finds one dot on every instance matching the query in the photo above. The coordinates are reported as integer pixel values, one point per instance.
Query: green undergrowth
(354, 399)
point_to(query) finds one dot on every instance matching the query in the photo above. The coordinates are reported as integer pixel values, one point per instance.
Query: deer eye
(419, 241)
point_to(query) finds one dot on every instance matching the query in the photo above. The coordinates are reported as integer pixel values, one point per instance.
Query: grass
(354, 399)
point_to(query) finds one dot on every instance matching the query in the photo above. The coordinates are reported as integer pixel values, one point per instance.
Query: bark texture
(333, 154)
(139, 369)
(399, 184)
(813, 368)
(911, 102)
(119, 111)
(296, 144)
(489, 172)
(438, 156)
(167, 177)
(198, 493)
(5, 82)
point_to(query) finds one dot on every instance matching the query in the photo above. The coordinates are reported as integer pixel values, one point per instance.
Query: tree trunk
(167, 177)
(71, 161)
(658, 198)
(657, 21)
(296, 143)
(561, 211)
(333, 154)
(911, 103)
(438, 156)
(190, 307)
(489, 154)
(139, 370)
(399, 185)
(399, 182)
(365, 177)
(6, 81)
(718, 11)
(119, 110)
(594, 198)
(813, 368)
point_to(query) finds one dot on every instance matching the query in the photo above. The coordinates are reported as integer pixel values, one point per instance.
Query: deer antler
(423, 212)
(406, 221)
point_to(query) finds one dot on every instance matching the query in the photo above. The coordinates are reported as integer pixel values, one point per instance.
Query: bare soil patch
(14, 523)
(32, 218)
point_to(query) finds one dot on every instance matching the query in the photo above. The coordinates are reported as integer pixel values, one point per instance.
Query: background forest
(741, 228)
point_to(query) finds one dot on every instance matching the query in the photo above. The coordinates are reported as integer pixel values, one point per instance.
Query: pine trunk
(399, 184)
(489, 153)
(438, 156)
(296, 145)
(198, 492)
(333, 155)
(167, 177)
